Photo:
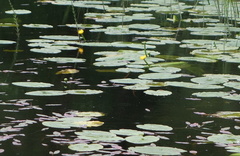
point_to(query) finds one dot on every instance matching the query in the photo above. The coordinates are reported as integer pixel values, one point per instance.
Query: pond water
(170, 64)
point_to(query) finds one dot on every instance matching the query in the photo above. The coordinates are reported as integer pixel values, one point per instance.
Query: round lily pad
(45, 50)
(235, 97)
(33, 84)
(137, 87)
(141, 139)
(18, 11)
(46, 93)
(158, 92)
(165, 69)
(90, 114)
(83, 91)
(155, 127)
(44, 26)
(193, 85)
(7, 42)
(157, 150)
(55, 124)
(209, 80)
(60, 37)
(159, 76)
(65, 60)
(235, 85)
(130, 81)
(110, 63)
(130, 70)
(224, 138)
(82, 147)
(211, 94)
(127, 132)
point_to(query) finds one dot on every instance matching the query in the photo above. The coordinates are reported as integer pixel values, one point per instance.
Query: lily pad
(227, 114)
(60, 37)
(157, 150)
(165, 69)
(211, 94)
(45, 50)
(137, 87)
(158, 92)
(82, 147)
(224, 138)
(18, 12)
(6, 42)
(130, 70)
(99, 136)
(193, 85)
(141, 139)
(90, 114)
(84, 92)
(235, 97)
(44, 26)
(65, 60)
(33, 84)
(127, 132)
(159, 76)
(155, 127)
(209, 80)
(235, 85)
(46, 93)
(130, 81)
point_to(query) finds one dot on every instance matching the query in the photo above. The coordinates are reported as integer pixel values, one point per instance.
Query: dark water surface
(123, 108)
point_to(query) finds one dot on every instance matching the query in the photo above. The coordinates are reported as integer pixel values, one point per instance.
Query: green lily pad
(233, 149)
(90, 114)
(33, 84)
(99, 136)
(130, 81)
(193, 85)
(84, 26)
(209, 80)
(84, 92)
(46, 93)
(157, 150)
(155, 127)
(197, 59)
(45, 50)
(227, 114)
(83, 147)
(127, 132)
(110, 63)
(130, 70)
(141, 139)
(159, 76)
(6, 42)
(165, 69)
(44, 26)
(60, 37)
(137, 87)
(144, 26)
(54, 124)
(235, 85)
(224, 138)
(18, 12)
(158, 92)
(235, 97)
(210, 94)
(65, 60)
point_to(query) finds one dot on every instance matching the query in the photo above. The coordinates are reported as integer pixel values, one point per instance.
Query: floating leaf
(211, 94)
(60, 37)
(46, 50)
(155, 127)
(127, 132)
(157, 150)
(158, 92)
(227, 114)
(54, 124)
(159, 76)
(141, 139)
(82, 147)
(67, 71)
(130, 81)
(37, 26)
(46, 93)
(235, 85)
(235, 97)
(6, 42)
(65, 60)
(83, 92)
(209, 80)
(90, 114)
(33, 84)
(193, 85)
(137, 87)
(165, 69)
(224, 138)
(18, 11)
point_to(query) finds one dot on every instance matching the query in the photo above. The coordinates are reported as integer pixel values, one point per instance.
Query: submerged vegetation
(120, 77)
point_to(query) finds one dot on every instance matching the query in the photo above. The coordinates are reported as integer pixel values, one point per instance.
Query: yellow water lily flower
(143, 57)
(80, 32)
(80, 50)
